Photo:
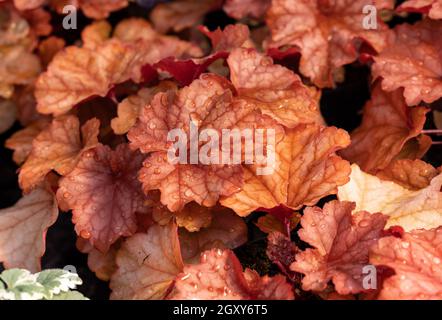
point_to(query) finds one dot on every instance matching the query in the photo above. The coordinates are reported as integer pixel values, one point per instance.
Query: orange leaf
(57, 148)
(23, 229)
(411, 174)
(388, 125)
(21, 141)
(273, 89)
(306, 170)
(416, 259)
(325, 32)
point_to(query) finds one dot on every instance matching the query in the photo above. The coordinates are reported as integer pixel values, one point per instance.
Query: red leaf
(282, 252)
(104, 194)
(185, 71)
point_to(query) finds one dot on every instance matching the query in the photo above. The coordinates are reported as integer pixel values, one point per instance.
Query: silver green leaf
(51, 284)
(21, 285)
(56, 281)
(70, 295)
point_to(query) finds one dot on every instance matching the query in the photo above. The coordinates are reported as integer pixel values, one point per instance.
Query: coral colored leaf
(306, 170)
(79, 73)
(182, 183)
(268, 288)
(28, 4)
(76, 74)
(411, 174)
(274, 89)
(406, 208)
(413, 61)
(104, 194)
(239, 9)
(130, 107)
(193, 217)
(181, 14)
(231, 37)
(207, 102)
(18, 67)
(49, 47)
(39, 20)
(100, 9)
(147, 264)
(102, 264)
(219, 276)
(95, 9)
(226, 230)
(325, 32)
(416, 259)
(23, 229)
(341, 241)
(57, 148)
(21, 141)
(155, 46)
(431, 7)
(388, 124)
(96, 34)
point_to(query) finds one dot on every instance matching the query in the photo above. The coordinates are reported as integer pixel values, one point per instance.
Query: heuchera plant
(176, 146)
